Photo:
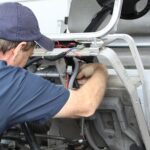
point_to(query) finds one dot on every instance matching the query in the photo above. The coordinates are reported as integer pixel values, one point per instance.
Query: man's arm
(84, 101)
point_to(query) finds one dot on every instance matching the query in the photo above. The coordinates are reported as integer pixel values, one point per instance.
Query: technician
(27, 97)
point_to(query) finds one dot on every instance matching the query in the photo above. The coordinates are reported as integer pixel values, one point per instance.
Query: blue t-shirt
(27, 97)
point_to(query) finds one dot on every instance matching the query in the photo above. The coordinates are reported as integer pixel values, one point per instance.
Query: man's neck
(3, 56)
(6, 56)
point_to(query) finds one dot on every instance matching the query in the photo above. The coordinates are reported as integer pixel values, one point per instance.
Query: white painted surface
(48, 12)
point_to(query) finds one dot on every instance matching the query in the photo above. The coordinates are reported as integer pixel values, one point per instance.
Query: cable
(51, 58)
(30, 137)
(33, 60)
(67, 80)
(73, 77)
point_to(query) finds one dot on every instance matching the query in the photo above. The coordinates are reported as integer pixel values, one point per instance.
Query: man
(26, 97)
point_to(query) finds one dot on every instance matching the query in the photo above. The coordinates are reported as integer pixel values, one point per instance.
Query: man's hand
(87, 70)
(84, 101)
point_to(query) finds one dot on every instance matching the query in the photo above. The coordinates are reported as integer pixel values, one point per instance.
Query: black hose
(50, 58)
(31, 61)
(54, 58)
(100, 16)
(89, 138)
(30, 137)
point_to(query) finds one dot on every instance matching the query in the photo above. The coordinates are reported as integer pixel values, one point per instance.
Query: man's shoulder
(17, 75)
(8, 71)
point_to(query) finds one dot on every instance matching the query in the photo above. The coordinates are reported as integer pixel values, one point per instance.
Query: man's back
(24, 96)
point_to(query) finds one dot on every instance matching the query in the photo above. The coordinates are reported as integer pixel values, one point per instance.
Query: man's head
(16, 53)
(19, 31)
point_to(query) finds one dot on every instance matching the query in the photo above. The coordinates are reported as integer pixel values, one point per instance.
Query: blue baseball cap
(18, 23)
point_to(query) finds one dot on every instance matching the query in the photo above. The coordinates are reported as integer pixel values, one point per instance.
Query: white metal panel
(49, 12)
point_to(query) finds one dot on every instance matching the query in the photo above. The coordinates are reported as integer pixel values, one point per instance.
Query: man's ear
(18, 49)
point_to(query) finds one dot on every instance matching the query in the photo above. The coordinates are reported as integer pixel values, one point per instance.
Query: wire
(33, 60)
(73, 77)
(51, 58)
(67, 80)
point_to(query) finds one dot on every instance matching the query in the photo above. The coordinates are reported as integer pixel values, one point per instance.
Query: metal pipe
(133, 49)
(140, 68)
(49, 74)
(131, 88)
(92, 35)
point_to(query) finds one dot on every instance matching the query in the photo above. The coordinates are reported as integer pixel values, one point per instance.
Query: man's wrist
(101, 69)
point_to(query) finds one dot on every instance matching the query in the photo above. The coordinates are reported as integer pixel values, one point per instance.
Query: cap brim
(46, 43)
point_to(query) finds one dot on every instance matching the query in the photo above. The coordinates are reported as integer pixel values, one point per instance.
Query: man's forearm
(84, 101)
(94, 88)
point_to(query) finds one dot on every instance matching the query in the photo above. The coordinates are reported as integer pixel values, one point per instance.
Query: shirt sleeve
(35, 98)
